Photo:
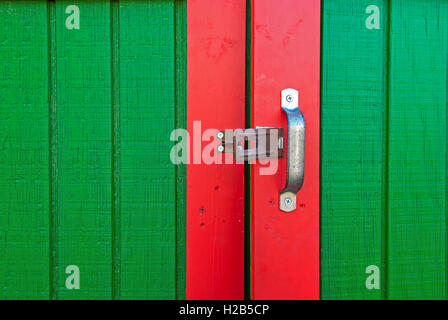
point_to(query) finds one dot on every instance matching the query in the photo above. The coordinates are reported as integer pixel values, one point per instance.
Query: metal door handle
(295, 154)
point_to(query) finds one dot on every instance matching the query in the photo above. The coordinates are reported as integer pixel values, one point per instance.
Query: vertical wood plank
(147, 117)
(83, 150)
(215, 192)
(180, 26)
(24, 178)
(285, 54)
(418, 150)
(116, 149)
(353, 104)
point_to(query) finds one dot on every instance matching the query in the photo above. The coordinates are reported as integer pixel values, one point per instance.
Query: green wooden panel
(24, 183)
(352, 111)
(180, 28)
(384, 152)
(417, 150)
(147, 117)
(83, 150)
(86, 180)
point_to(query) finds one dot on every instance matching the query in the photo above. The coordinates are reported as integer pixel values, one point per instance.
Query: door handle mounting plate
(295, 153)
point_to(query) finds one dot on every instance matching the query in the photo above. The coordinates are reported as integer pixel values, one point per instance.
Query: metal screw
(220, 135)
(288, 201)
(289, 98)
(220, 148)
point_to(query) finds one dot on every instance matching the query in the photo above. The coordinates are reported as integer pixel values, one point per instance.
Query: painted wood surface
(147, 176)
(215, 192)
(352, 149)
(285, 54)
(86, 116)
(384, 100)
(24, 155)
(86, 179)
(417, 147)
(82, 157)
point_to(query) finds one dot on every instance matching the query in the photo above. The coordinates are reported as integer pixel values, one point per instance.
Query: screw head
(220, 148)
(220, 135)
(288, 201)
(289, 98)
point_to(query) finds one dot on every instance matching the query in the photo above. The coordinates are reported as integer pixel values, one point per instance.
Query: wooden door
(215, 192)
(283, 256)
(285, 54)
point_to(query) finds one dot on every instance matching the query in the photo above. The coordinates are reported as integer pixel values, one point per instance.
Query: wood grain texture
(86, 117)
(83, 150)
(285, 54)
(417, 150)
(85, 174)
(215, 192)
(180, 33)
(147, 117)
(24, 156)
(116, 149)
(353, 96)
(384, 156)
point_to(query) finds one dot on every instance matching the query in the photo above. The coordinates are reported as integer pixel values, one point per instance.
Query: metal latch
(252, 144)
(267, 143)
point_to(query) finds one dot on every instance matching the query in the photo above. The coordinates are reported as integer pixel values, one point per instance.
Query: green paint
(85, 118)
(116, 147)
(83, 154)
(86, 179)
(24, 178)
(148, 178)
(383, 149)
(180, 8)
(417, 150)
(351, 150)
(52, 147)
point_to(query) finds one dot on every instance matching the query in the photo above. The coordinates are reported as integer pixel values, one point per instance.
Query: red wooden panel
(215, 193)
(286, 54)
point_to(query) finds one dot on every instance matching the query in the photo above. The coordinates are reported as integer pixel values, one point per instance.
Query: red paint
(215, 193)
(286, 54)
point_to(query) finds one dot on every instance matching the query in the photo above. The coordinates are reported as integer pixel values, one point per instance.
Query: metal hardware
(295, 157)
(252, 144)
